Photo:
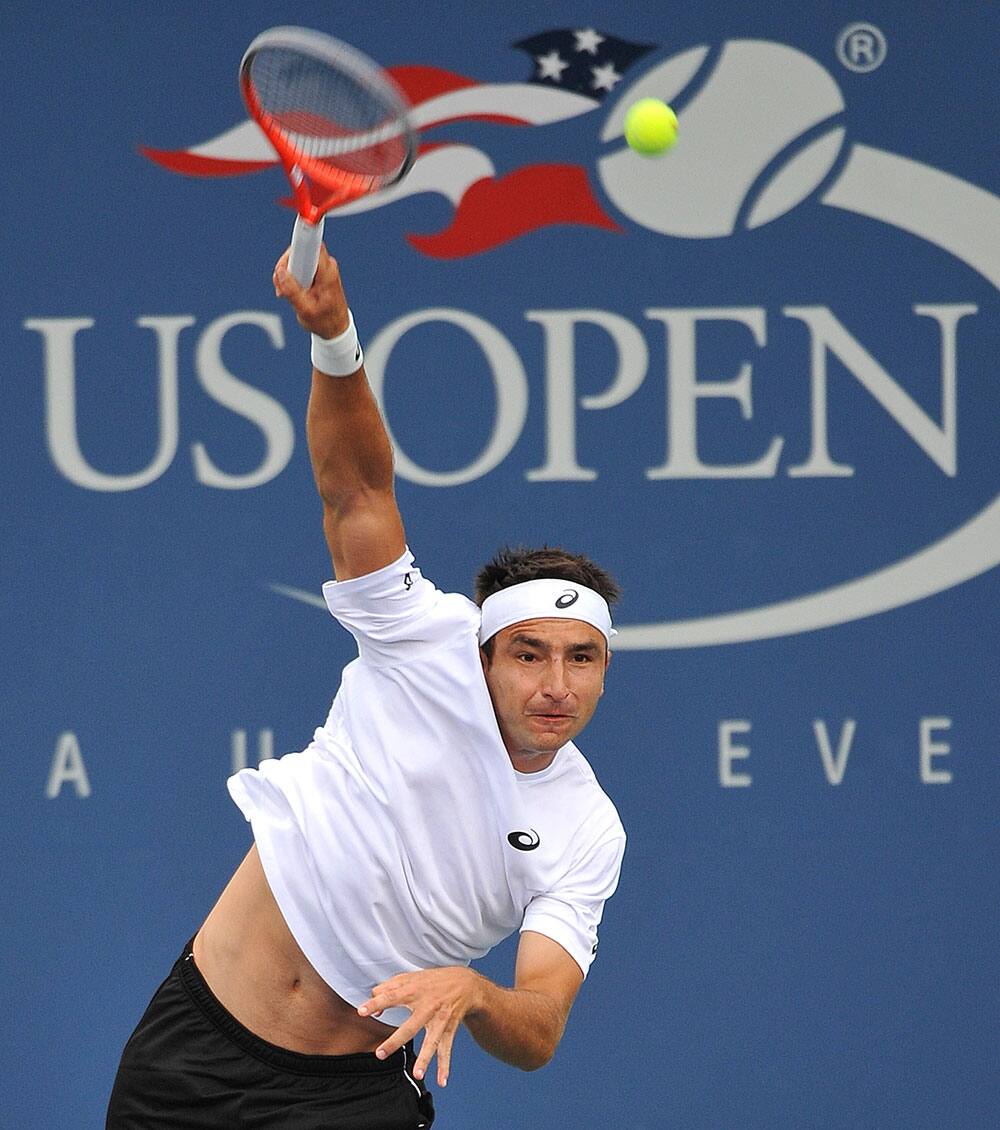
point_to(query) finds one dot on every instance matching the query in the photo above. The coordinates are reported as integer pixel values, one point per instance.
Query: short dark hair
(511, 566)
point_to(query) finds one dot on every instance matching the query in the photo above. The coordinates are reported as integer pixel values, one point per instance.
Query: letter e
(728, 753)
(930, 749)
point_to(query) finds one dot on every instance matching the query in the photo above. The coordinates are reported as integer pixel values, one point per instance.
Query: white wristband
(338, 356)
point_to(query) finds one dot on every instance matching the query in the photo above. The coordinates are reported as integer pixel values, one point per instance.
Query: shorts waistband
(359, 1063)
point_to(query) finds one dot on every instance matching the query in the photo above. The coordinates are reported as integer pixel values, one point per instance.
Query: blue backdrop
(756, 378)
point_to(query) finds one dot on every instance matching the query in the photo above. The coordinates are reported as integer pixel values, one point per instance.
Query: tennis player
(441, 807)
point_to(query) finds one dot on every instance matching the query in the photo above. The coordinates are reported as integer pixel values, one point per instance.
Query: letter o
(509, 381)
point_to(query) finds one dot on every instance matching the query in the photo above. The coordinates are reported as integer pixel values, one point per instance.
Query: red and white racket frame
(306, 174)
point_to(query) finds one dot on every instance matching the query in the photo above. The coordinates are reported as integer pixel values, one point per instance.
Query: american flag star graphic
(581, 59)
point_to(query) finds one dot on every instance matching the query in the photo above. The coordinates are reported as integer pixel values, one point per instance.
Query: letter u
(59, 336)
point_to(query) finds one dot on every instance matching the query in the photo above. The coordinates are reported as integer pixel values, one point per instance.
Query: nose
(554, 685)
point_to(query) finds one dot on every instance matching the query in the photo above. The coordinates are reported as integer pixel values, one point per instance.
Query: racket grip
(306, 241)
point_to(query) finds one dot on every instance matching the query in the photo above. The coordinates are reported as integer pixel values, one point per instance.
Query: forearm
(350, 450)
(352, 464)
(348, 445)
(519, 1026)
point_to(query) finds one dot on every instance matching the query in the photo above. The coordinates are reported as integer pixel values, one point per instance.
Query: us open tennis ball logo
(754, 147)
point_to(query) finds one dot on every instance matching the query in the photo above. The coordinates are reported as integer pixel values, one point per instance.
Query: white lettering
(684, 390)
(728, 753)
(509, 381)
(245, 400)
(929, 749)
(560, 384)
(67, 768)
(861, 47)
(265, 748)
(834, 765)
(827, 334)
(59, 336)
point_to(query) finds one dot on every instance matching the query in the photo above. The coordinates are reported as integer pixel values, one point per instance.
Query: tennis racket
(338, 123)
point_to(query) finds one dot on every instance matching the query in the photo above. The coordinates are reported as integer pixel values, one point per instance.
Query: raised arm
(350, 450)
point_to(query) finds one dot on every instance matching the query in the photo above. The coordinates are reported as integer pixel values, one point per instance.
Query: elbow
(340, 502)
(340, 488)
(535, 1064)
(537, 1057)
(539, 1051)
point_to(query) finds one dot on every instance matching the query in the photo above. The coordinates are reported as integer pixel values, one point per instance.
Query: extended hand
(320, 308)
(439, 999)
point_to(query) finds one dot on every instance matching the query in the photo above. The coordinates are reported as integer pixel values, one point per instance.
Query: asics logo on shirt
(408, 582)
(524, 841)
(564, 600)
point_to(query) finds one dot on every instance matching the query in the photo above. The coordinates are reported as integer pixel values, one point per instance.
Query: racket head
(339, 124)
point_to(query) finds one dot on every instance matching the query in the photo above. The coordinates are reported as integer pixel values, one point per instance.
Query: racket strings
(333, 122)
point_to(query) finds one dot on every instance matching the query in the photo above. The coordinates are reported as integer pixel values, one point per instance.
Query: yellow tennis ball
(650, 127)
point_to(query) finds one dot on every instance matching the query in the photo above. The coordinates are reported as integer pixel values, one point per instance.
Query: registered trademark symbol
(861, 48)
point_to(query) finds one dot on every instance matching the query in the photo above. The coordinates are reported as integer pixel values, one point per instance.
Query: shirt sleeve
(571, 913)
(395, 614)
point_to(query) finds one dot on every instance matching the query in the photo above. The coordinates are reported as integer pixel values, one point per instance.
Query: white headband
(542, 599)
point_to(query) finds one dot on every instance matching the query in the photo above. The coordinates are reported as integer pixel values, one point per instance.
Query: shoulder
(396, 611)
(579, 778)
(580, 816)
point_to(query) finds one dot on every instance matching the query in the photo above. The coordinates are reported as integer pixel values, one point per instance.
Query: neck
(531, 760)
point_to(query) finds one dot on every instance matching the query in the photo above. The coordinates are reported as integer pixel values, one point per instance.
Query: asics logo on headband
(568, 597)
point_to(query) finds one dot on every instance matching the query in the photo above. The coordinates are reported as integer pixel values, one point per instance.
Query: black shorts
(191, 1064)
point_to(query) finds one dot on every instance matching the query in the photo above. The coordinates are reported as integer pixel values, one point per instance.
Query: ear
(484, 659)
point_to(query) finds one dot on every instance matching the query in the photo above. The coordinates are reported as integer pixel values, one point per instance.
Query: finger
(376, 1004)
(389, 985)
(403, 1034)
(279, 272)
(285, 283)
(383, 996)
(327, 264)
(427, 1050)
(435, 1031)
(444, 1053)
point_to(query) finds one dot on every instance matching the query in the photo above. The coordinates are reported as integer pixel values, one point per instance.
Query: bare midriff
(255, 968)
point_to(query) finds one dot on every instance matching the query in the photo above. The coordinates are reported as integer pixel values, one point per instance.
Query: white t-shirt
(402, 838)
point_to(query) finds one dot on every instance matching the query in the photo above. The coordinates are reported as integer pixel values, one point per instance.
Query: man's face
(545, 677)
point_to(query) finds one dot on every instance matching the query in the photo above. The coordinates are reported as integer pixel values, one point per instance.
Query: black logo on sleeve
(408, 582)
(564, 600)
(524, 841)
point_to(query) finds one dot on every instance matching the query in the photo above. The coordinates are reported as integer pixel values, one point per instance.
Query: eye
(527, 657)
(583, 657)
